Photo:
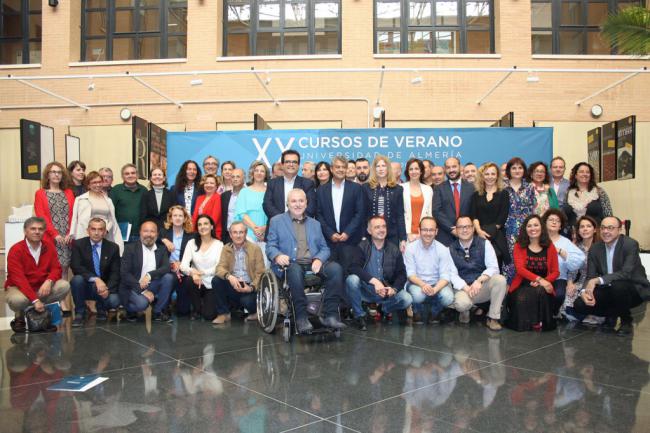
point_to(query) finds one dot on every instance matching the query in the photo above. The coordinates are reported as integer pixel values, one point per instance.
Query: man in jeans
(476, 276)
(429, 269)
(376, 274)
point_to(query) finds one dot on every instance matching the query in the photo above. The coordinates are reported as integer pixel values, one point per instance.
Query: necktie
(457, 200)
(96, 259)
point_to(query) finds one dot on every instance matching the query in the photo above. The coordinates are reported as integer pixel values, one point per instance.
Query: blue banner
(477, 145)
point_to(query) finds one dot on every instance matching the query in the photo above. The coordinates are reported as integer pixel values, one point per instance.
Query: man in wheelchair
(296, 245)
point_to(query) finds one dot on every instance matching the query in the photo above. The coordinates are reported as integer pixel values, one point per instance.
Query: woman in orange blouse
(417, 198)
(209, 203)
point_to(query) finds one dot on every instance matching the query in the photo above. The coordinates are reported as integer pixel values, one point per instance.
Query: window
(133, 29)
(434, 26)
(20, 31)
(572, 26)
(281, 27)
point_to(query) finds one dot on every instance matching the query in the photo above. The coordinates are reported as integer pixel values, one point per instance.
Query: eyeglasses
(428, 230)
(553, 220)
(609, 228)
(291, 161)
(57, 172)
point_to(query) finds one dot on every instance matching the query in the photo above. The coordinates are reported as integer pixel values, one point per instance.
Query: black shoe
(101, 316)
(360, 323)
(609, 324)
(304, 326)
(195, 316)
(132, 317)
(625, 329)
(162, 317)
(66, 313)
(417, 319)
(78, 321)
(18, 325)
(332, 322)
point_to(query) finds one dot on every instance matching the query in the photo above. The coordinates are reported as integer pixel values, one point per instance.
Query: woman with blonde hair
(384, 197)
(176, 233)
(249, 204)
(489, 210)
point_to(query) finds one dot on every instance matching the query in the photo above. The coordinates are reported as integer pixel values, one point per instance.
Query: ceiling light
(196, 82)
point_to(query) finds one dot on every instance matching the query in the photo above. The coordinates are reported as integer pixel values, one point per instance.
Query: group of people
(517, 245)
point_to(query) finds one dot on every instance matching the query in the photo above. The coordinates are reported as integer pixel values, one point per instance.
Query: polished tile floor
(194, 377)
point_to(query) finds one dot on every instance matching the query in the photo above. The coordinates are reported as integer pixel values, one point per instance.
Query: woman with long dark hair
(545, 197)
(585, 197)
(531, 292)
(187, 185)
(77, 173)
(323, 173)
(418, 198)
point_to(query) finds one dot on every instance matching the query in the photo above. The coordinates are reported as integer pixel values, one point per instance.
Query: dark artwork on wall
(593, 152)
(625, 147)
(608, 152)
(141, 146)
(157, 147)
(30, 150)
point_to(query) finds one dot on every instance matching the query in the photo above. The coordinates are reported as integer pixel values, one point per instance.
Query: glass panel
(239, 17)
(11, 53)
(93, 4)
(295, 15)
(597, 13)
(177, 2)
(596, 44)
(571, 42)
(238, 45)
(149, 20)
(268, 44)
(478, 14)
(123, 49)
(447, 42)
(622, 4)
(11, 6)
(124, 21)
(150, 3)
(326, 16)
(388, 14)
(149, 48)
(35, 5)
(177, 20)
(541, 15)
(125, 3)
(542, 42)
(269, 15)
(95, 23)
(478, 42)
(420, 14)
(35, 28)
(296, 43)
(11, 26)
(571, 14)
(34, 52)
(326, 43)
(176, 47)
(420, 42)
(95, 50)
(447, 13)
(388, 42)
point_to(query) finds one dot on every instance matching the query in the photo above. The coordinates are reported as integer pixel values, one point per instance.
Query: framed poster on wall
(47, 145)
(608, 152)
(30, 150)
(141, 146)
(625, 147)
(593, 152)
(157, 147)
(72, 149)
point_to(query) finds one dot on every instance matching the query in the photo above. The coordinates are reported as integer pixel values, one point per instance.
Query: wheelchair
(274, 301)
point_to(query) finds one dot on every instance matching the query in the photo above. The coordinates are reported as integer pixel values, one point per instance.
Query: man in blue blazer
(451, 199)
(340, 209)
(277, 189)
(296, 243)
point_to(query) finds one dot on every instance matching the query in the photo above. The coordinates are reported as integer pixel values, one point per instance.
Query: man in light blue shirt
(429, 269)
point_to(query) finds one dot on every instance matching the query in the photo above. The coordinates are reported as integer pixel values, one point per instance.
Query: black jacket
(109, 262)
(393, 264)
(352, 212)
(149, 206)
(131, 267)
(225, 202)
(395, 221)
(169, 235)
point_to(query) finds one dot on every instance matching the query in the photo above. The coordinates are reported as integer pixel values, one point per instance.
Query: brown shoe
(493, 324)
(251, 317)
(221, 319)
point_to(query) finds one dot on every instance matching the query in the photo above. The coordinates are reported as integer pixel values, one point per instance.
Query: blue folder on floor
(77, 383)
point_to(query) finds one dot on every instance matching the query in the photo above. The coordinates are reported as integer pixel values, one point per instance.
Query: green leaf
(629, 31)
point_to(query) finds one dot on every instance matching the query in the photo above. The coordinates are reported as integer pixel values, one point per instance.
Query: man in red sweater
(33, 273)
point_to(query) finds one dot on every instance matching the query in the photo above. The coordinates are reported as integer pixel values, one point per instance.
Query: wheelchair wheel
(268, 297)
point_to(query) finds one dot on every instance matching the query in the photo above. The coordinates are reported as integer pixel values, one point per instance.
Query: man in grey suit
(451, 199)
(616, 279)
(558, 182)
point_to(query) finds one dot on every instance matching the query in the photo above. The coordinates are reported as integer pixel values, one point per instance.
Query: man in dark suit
(145, 275)
(277, 189)
(340, 209)
(558, 182)
(96, 267)
(616, 279)
(451, 199)
(229, 201)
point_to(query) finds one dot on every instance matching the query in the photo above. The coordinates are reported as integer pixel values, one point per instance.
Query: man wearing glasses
(616, 279)
(476, 277)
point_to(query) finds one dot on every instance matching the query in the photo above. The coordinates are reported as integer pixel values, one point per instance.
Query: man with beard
(451, 199)
(363, 170)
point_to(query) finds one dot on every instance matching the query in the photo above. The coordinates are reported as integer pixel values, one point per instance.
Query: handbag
(39, 321)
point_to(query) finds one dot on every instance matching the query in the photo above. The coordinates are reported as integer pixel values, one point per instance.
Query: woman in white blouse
(199, 263)
(418, 198)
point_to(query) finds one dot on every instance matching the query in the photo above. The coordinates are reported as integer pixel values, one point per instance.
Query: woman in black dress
(489, 211)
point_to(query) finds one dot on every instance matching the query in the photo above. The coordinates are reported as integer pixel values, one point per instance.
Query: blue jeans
(439, 301)
(332, 276)
(227, 296)
(359, 291)
(83, 291)
(161, 288)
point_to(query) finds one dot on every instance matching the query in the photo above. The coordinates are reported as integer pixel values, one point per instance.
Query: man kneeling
(296, 242)
(33, 273)
(477, 279)
(377, 274)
